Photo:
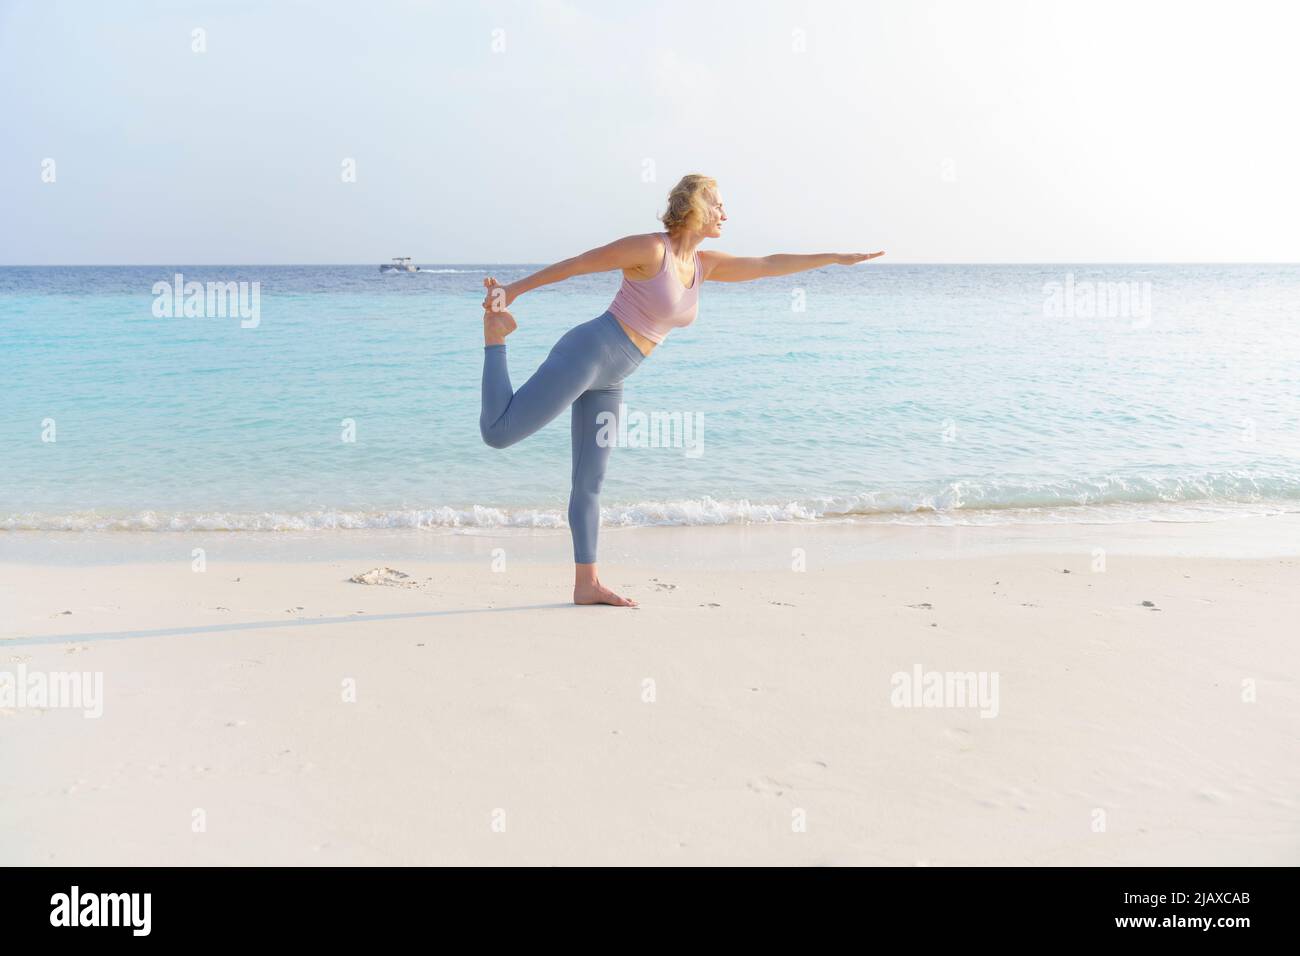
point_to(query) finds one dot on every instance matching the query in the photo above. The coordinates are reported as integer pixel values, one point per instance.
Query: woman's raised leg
(507, 416)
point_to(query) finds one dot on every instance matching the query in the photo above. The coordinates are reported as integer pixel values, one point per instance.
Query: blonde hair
(687, 208)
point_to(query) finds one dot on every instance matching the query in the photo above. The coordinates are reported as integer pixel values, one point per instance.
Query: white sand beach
(744, 715)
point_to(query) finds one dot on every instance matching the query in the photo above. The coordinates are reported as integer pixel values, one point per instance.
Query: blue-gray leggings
(585, 369)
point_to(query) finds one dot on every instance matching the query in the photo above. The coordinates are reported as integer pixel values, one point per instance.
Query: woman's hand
(498, 297)
(853, 258)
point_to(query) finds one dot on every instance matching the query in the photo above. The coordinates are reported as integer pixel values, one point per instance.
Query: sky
(997, 131)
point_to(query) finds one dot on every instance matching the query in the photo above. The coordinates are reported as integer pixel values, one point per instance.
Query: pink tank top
(654, 307)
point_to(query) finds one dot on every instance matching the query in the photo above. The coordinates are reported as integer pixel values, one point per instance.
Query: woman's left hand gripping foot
(497, 322)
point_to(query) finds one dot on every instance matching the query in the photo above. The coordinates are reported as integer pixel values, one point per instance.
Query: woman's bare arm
(721, 267)
(629, 252)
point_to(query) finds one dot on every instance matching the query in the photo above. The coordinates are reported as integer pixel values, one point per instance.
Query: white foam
(948, 508)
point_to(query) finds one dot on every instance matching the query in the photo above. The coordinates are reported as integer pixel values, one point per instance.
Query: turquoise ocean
(880, 393)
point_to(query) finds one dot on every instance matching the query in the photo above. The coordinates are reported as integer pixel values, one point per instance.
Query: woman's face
(716, 217)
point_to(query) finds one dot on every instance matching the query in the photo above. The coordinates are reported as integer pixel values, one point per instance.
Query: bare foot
(597, 593)
(496, 326)
(497, 322)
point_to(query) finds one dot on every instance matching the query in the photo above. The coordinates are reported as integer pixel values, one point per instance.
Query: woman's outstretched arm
(626, 253)
(720, 267)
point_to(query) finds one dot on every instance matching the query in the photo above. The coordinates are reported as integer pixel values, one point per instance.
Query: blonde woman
(662, 273)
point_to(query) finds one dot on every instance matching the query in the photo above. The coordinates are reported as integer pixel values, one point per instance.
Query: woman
(662, 273)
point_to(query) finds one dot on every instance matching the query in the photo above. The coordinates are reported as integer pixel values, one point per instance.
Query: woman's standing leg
(594, 431)
(595, 417)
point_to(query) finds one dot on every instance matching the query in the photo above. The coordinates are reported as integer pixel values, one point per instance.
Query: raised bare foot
(597, 593)
(497, 322)
(496, 326)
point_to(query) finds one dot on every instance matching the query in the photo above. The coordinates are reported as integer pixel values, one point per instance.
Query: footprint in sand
(961, 738)
(805, 773)
(767, 787)
(662, 585)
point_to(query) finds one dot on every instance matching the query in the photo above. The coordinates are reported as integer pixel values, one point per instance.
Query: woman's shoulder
(647, 250)
(648, 241)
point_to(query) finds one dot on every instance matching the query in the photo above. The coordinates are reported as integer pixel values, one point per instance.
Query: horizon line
(908, 262)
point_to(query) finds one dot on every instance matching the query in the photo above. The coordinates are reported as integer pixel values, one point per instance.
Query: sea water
(881, 392)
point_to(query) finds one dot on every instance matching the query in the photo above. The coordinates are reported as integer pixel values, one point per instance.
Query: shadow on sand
(262, 625)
